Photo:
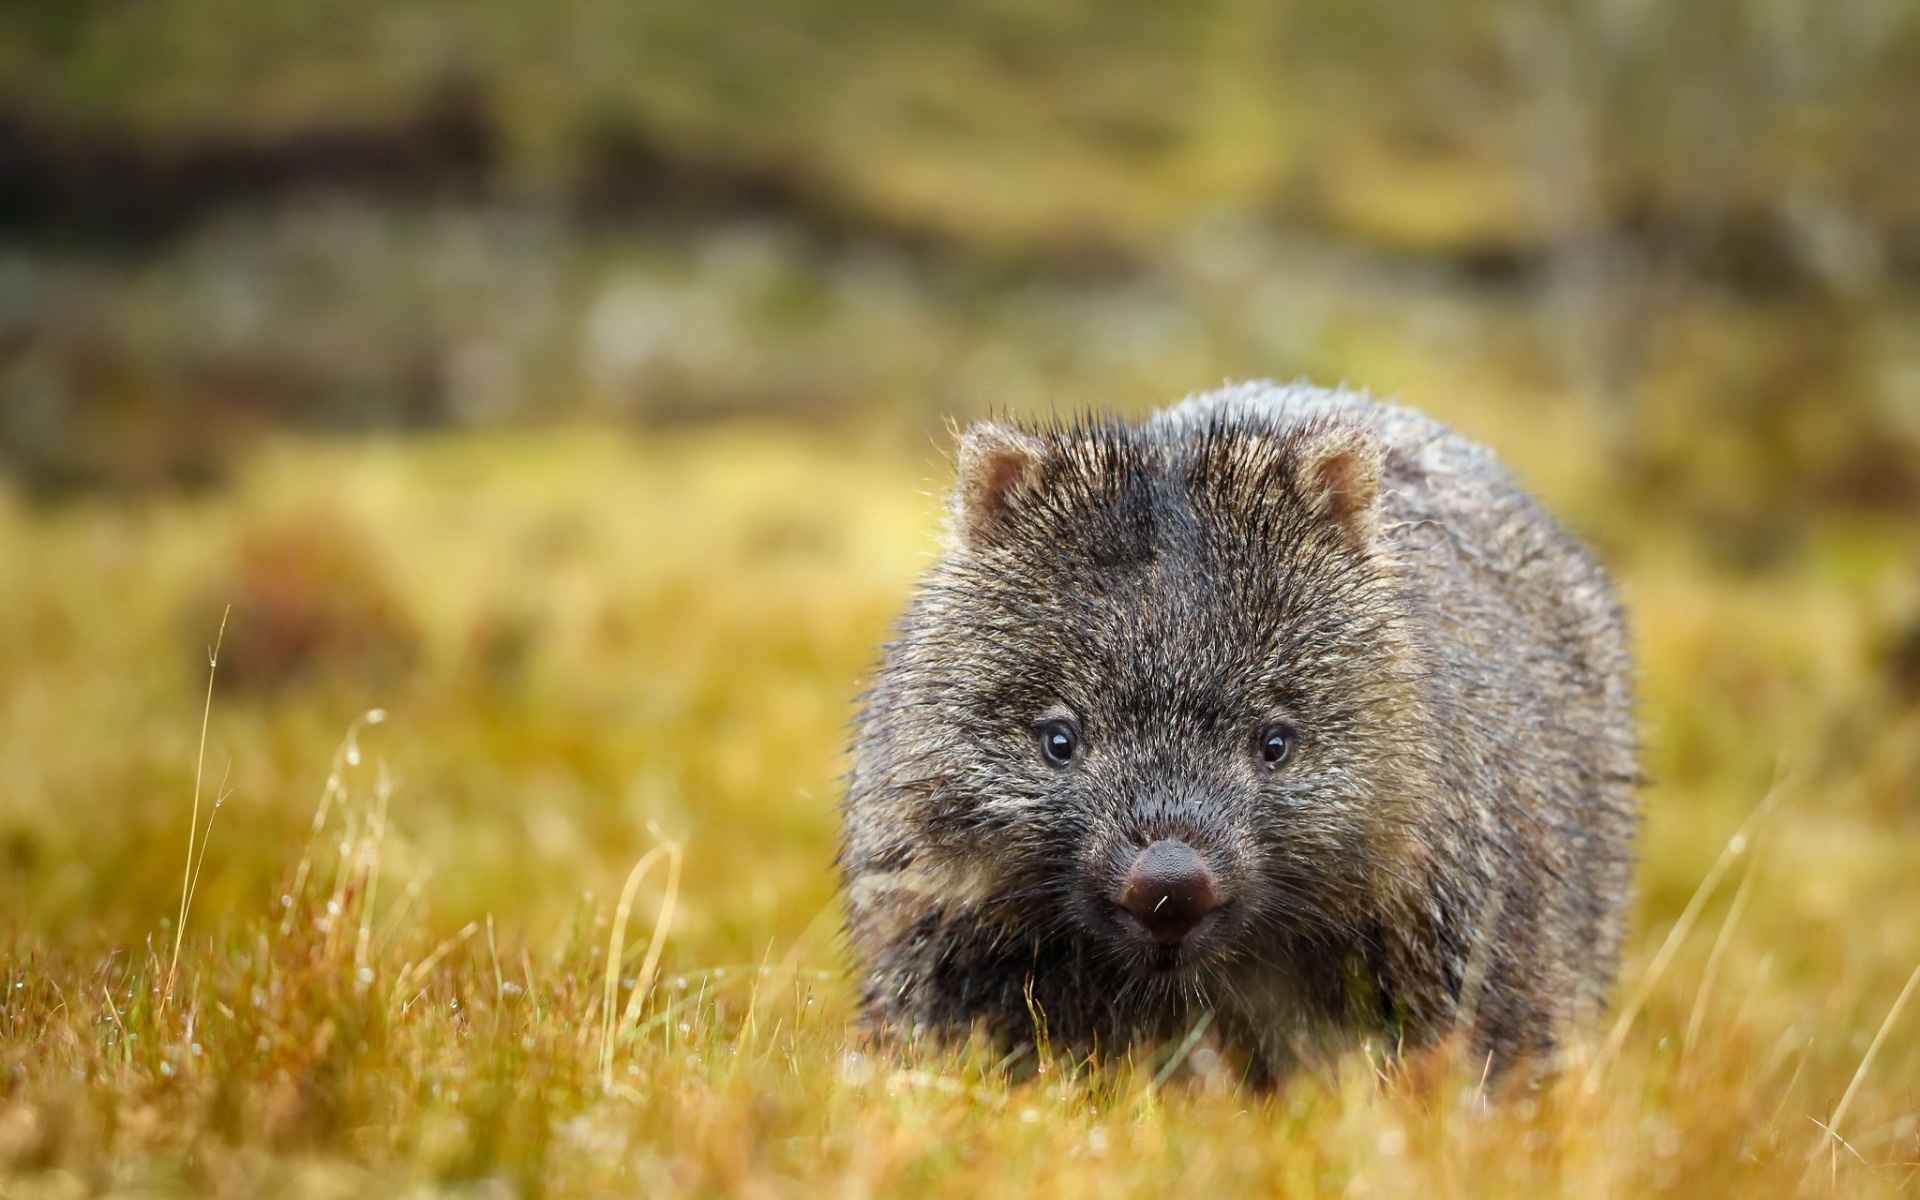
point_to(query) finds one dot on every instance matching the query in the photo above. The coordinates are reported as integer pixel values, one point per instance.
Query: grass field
(420, 958)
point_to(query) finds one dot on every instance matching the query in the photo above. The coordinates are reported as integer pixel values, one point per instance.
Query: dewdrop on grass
(372, 716)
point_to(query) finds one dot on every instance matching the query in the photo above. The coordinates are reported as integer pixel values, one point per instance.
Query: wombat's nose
(1168, 890)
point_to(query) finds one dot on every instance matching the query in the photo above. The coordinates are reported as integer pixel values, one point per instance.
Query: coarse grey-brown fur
(1448, 848)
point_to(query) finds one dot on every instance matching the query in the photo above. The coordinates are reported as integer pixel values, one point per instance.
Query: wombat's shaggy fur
(1283, 706)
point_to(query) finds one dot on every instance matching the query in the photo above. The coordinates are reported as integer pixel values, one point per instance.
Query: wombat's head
(1156, 698)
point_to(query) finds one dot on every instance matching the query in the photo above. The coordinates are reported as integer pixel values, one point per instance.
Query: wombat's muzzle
(1169, 890)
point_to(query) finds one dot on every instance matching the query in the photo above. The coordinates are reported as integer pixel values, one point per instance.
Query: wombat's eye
(1276, 744)
(1059, 742)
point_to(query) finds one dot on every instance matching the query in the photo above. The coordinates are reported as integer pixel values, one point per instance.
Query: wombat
(1284, 711)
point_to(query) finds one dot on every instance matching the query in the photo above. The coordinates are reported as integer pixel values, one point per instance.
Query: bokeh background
(1698, 223)
(572, 381)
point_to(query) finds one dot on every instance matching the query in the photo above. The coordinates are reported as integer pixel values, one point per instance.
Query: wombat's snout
(1169, 889)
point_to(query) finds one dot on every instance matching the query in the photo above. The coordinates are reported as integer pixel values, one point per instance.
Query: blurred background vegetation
(1698, 222)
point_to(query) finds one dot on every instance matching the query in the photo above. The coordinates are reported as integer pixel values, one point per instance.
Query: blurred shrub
(310, 602)
(1901, 654)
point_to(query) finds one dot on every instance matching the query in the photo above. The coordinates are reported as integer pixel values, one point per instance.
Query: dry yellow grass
(394, 976)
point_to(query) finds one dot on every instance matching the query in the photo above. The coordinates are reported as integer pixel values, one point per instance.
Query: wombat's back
(1530, 682)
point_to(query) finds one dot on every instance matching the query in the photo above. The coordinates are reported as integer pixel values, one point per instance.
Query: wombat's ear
(993, 465)
(1338, 474)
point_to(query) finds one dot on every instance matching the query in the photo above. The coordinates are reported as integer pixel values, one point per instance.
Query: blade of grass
(1187, 1044)
(610, 991)
(656, 944)
(345, 755)
(370, 872)
(193, 824)
(1832, 1126)
(418, 971)
(1720, 943)
(1737, 845)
